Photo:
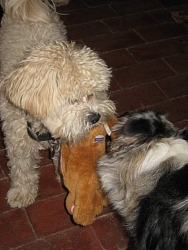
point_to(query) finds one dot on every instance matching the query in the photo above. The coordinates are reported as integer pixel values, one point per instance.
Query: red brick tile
(117, 27)
(48, 184)
(148, 94)
(45, 154)
(142, 73)
(135, 6)
(151, 51)
(4, 187)
(2, 176)
(88, 15)
(2, 146)
(114, 86)
(81, 31)
(38, 245)
(115, 41)
(110, 232)
(137, 97)
(118, 58)
(176, 86)
(182, 124)
(179, 63)
(14, 229)
(177, 109)
(160, 32)
(49, 216)
(81, 238)
(125, 100)
(3, 165)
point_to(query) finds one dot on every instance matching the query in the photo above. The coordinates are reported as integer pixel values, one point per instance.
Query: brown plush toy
(85, 199)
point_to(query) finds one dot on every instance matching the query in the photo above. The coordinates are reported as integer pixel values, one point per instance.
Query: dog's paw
(21, 196)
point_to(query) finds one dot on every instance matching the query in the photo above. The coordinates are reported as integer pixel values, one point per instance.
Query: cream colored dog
(51, 90)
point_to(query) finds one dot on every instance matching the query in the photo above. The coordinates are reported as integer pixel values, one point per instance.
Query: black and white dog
(145, 177)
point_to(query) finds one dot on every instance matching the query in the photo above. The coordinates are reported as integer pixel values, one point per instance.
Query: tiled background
(148, 53)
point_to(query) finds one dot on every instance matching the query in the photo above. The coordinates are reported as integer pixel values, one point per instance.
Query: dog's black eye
(137, 126)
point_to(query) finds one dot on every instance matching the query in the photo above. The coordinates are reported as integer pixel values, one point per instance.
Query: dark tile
(88, 15)
(116, 41)
(131, 21)
(135, 6)
(110, 232)
(160, 32)
(177, 108)
(117, 24)
(162, 16)
(49, 216)
(118, 58)
(14, 229)
(157, 50)
(148, 94)
(142, 73)
(114, 86)
(184, 39)
(179, 63)
(80, 31)
(92, 3)
(73, 5)
(182, 124)
(174, 87)
(137, 97)
(140, 20)
(125, 100)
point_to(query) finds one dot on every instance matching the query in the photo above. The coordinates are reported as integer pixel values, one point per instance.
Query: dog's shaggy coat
(145, 177)
(48, 82)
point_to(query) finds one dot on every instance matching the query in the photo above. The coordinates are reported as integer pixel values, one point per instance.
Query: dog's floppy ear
(37, 85)
(31, 87)
(137, 126)
(48, 76)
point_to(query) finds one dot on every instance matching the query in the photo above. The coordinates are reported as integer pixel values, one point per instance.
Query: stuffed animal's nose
(94, 118)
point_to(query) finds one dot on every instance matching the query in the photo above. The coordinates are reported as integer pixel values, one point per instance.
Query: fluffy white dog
(51, 90)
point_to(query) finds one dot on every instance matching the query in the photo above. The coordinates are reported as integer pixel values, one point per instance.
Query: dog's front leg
(23, 157)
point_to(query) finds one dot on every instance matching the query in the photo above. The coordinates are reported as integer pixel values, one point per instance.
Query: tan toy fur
(85, 199)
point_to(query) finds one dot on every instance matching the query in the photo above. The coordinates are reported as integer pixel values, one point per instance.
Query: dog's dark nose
(94, 118)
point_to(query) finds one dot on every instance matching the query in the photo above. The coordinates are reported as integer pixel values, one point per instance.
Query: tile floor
(148, 52)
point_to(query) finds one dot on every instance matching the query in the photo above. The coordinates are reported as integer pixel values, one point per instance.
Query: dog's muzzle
(94, 118)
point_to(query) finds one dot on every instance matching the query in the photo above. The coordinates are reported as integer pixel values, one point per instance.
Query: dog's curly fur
(56, 85)
(145, 177)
